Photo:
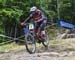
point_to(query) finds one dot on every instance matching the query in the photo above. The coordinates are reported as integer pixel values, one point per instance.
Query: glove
(22, 24)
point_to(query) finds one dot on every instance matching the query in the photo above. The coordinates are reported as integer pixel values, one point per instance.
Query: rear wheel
(30, 43)
(46, 40)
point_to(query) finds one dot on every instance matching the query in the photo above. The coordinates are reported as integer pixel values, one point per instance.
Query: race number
(31, 26)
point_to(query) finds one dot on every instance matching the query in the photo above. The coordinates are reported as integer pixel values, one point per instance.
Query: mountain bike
(31, 38)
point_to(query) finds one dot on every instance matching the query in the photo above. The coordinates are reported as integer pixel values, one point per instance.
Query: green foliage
(11, 10)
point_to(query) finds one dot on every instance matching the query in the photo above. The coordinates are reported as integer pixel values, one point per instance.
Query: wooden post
(15, 31)
(58, 9)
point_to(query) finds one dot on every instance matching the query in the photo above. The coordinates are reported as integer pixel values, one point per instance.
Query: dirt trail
(62, 50)
(43, 55)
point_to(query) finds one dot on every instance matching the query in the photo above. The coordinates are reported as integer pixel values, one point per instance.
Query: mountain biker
(40, 19)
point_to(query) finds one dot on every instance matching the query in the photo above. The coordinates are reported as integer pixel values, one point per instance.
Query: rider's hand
(22, 23)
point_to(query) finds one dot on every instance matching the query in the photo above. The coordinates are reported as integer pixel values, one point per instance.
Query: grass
(10, 48)
(57, 45)
(63, 45)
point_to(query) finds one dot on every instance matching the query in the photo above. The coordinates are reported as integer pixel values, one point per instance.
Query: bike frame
(27, 29)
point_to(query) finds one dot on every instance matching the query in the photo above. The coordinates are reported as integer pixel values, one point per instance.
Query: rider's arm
(27, 19)
(31, 14)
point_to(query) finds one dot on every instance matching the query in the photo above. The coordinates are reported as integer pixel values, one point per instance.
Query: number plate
(31, 26)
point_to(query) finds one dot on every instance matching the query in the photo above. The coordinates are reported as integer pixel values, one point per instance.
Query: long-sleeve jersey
(37, 16)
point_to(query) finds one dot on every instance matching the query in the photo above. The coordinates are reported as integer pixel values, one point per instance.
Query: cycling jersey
(38, 16)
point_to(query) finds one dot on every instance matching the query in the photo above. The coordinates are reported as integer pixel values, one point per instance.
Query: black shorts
(41, 24)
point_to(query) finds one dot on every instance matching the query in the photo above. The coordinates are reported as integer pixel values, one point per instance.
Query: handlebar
(28, 23)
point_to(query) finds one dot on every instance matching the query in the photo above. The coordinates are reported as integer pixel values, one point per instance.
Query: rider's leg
(43, 25)
(36, 31)
(36, 28)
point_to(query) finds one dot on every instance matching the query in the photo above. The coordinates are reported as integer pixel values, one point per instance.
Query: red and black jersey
(38, 16)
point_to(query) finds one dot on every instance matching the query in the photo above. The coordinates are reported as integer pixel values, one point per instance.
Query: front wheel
(30, 43)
